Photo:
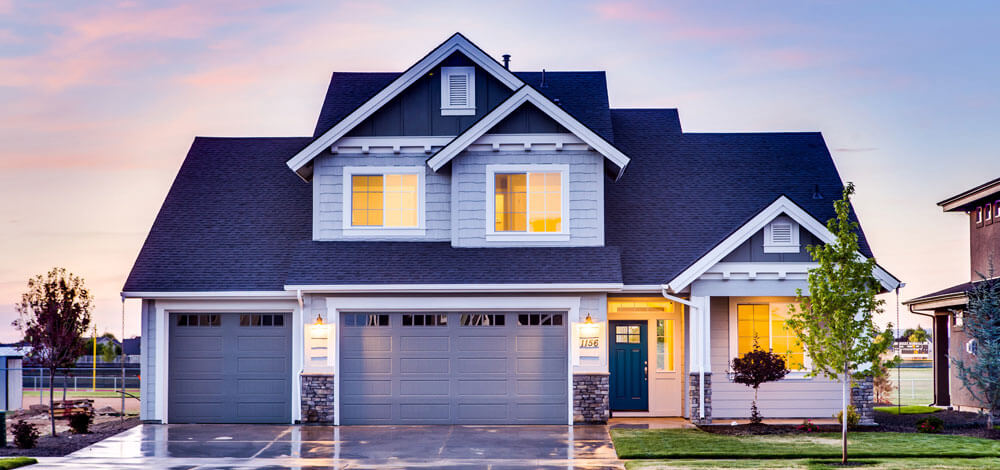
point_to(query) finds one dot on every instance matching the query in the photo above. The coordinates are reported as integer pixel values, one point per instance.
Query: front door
(629, 366)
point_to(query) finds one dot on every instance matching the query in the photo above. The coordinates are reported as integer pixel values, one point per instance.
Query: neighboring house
(459, 243)
(11, 371)
(982, 206)
(132, 347)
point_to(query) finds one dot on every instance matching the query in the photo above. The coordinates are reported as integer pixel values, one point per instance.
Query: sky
(99, 102)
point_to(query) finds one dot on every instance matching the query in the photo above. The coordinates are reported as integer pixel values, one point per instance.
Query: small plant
(930, 425)
(757, 367)
(80, 423)
(25, 434)
(852, 416)
(807, 426)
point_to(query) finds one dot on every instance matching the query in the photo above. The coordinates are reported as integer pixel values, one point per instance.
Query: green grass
(81, 394)
(693, 444)
(14, 462)
(907, 410)
(880, 464)
(917, 386)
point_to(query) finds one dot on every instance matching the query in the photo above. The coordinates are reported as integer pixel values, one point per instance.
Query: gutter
(701, 354)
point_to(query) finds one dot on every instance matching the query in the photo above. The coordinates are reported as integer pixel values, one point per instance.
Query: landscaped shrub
(25, 434)
(852, 416)
(930, 425)
(80, 423)
(757, 367)
(807, 426)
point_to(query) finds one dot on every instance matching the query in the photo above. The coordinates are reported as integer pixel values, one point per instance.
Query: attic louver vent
(781, 236)
(458, 91)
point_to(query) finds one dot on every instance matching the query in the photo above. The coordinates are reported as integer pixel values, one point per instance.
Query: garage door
(230, 368)
(461, 368)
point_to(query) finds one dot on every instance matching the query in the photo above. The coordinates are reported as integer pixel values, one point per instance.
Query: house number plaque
(589, 342)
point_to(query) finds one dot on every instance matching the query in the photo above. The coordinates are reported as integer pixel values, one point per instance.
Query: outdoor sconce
(589, 329)
(319, 320)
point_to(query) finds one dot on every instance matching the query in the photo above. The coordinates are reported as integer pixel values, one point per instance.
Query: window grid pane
(665, 345)
(366, 200)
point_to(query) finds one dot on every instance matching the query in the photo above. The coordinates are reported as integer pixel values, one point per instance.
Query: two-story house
(981, 205)
(460, 243)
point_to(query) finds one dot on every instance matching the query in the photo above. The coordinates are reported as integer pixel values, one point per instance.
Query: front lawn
(14, 462)
(865, 464)
(907, 410)
(694, 443)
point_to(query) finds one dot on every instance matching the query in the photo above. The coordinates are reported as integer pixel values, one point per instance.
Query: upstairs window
(380, 199)
(458, 91)
(528, 202)
(988, 213)
(781, 236)
(979, 215)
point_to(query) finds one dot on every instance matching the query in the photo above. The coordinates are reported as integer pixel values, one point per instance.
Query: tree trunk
(65, 379)
(843, 420)
(52, 403)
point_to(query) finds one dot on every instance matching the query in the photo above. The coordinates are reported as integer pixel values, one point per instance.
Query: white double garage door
(395, 368)
(454, 368)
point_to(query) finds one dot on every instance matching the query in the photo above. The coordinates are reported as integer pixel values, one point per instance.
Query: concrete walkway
(227, 446)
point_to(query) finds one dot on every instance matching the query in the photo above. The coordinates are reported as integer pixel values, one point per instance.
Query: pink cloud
(631, 12)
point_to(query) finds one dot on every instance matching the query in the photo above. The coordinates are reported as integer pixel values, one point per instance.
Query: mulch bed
(67, 442)
(955, 422)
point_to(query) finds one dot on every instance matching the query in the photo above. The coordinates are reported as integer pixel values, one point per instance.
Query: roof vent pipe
(506, 61)
(543, 85)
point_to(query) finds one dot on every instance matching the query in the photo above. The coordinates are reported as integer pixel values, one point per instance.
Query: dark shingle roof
(582, 94)
(957, 289)
(682, 194)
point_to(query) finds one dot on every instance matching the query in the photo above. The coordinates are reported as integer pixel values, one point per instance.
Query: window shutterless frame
(493, 235)
(382, 231)
(734, 302)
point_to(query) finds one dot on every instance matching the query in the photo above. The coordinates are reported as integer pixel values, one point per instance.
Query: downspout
(701, 354)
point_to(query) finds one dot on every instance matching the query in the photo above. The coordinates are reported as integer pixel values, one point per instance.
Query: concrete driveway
(204, 446)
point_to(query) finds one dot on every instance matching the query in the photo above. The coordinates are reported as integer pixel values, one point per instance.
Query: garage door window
(540, 319)
(198, 320)
(256, 319)
(424, 320)
(482, 319)
(366, 319)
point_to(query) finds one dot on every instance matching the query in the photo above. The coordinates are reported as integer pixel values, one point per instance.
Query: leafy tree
(110, 352)
(835, 322)
(757, 367)
(882, 383)
(981, 372)
(54, 317)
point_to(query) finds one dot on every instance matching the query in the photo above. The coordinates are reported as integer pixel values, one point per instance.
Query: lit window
(388, 200)
(665, 345)
(629, 334)
(769, 324)
(988, 210)
(979, 215)
(996, 208)
(528, 202)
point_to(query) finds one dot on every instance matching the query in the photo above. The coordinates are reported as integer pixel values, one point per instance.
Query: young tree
(54, 317)
(835, 321)
(757, 367)
(981, 372)
(918, 335)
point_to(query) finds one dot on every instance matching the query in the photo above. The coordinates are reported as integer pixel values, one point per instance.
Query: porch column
(942, 393)
(699, 358)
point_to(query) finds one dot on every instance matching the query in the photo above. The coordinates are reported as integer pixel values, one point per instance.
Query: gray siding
(790, 398)
(752, 250)
(586, 196)
(147, 366)
(328, 190)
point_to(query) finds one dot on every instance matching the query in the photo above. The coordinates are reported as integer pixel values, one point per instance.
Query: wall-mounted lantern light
(318, 321)
(589, 332)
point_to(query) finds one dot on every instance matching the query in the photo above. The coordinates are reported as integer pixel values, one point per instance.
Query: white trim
(455, 288)
(651, 288)
(456, 42)
(772, 246)
(734, 330)
(298, 353)
(726, 271)
(523, 95)
(163, 309)
(569, 304)
(527, 236)
(203, 295)
(417, 145)
(782, 205)
(449, 109)
(375, 231)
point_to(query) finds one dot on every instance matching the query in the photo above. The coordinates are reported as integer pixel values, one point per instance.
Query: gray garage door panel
(224, 372)
(453, 374)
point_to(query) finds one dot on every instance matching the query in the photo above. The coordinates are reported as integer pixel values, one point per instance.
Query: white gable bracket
(456, 43)
(523, 95)
(782, 205)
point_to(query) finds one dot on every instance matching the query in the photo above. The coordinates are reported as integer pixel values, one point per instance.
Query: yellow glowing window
(665, 345)
(769, 324)
(384, 200)
(528, 202)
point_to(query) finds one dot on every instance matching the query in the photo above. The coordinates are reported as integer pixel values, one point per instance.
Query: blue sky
(102, 99)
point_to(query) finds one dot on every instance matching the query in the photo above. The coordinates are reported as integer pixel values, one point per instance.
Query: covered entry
(454, 368)
(646, 356)
(229, 368)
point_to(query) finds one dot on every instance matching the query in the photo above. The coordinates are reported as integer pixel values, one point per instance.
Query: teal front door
(629, 366)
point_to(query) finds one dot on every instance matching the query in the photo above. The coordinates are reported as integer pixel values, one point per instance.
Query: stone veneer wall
(863, 399)
(590, 398)
(317, 398)
(694, 397)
